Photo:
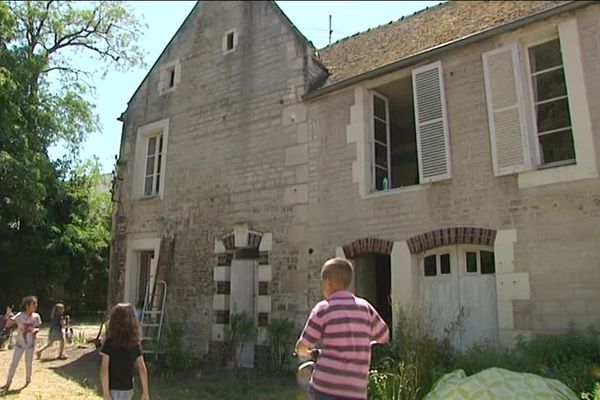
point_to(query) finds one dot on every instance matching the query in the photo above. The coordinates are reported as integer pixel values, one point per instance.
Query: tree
(51, 232)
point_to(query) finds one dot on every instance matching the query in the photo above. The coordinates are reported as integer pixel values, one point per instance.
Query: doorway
(372, 281)
(458, 294)
(242, 300)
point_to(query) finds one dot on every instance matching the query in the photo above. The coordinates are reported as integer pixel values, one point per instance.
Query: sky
(164, 18)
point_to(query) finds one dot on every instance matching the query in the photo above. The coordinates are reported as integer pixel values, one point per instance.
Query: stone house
(452, 155)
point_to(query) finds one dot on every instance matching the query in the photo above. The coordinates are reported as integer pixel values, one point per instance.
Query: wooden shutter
(433, 145)
(504, 95)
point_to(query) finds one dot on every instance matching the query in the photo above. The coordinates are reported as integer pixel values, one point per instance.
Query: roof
(423, 30)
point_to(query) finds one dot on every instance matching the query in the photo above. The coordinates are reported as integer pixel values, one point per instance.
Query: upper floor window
(154, 155)
(552, 121)
(538, 112)
(410, 143)
(170, 76)
(150, 152)
(230, 41)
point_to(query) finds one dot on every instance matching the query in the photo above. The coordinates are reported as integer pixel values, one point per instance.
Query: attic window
(230, 41)
(170, 76)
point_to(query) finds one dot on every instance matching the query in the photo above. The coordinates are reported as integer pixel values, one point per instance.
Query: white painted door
(478, 296)
(458, 294)
(439, 292)
(242, 300)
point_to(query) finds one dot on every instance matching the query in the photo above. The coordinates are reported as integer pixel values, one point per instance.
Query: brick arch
(450, 236)
(368, 246)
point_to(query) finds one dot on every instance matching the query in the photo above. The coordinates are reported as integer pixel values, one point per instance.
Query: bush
(408, 367)
(241, 330)
(173, 359)
(280, 333)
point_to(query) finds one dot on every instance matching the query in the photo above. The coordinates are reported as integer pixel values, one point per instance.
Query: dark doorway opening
(372, 281)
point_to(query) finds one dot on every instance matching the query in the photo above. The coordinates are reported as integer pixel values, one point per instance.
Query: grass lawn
(78, 378)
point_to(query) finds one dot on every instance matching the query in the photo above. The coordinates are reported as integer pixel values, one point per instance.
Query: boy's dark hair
(338, 270)
(27, 301)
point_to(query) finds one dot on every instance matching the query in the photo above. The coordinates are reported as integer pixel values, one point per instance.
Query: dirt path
(74, 378)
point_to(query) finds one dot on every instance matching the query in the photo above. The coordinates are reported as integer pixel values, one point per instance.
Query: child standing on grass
(56, 331)
(28, 323)
(121, 352)
(344, 326)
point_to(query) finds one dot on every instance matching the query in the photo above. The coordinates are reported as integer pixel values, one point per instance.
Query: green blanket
(498, 384)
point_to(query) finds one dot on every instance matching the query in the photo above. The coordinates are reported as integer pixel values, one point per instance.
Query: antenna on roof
(330, 31)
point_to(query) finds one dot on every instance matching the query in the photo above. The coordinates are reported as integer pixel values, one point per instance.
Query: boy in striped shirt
(344, 327)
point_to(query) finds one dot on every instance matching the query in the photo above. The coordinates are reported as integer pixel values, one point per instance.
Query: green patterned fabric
(498, 384)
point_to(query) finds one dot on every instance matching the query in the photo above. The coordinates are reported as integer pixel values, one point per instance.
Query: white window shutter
(504, 96)
(431, 120)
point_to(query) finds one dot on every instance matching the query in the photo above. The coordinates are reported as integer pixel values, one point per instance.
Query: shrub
(173, 359)
(241, 330)
(280, 333)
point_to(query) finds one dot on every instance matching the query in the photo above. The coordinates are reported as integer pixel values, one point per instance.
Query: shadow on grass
(84, 370)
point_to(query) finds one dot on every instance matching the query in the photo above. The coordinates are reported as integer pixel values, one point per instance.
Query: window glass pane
(158, 163)
(148, 185)
(157, 183)
(230, 41)
(380, 131)
(553, 115)
(557, 146)
(151, 145)
(380, 174)
(381, 155)
(430, 265)
(487, 262)
(379, 108)
(545, 55)
(150, 165)
(471, 261)
(445, 263)
(172, 78)
(160, 143)
(549, 85)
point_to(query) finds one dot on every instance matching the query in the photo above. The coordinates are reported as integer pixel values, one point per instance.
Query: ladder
(151, 321)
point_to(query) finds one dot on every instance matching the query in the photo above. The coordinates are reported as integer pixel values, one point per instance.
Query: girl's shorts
(121, 394)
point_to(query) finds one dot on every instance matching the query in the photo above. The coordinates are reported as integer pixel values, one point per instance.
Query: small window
(445, 264)
(471, 262)
(172, 77)
(487, 262)
(230, 42)
(430, 265)
(552, 118)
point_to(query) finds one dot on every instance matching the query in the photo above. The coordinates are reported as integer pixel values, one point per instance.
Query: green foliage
(54, 225)
(241, 330)
(280, 333)
(408, 367)
(173, 358)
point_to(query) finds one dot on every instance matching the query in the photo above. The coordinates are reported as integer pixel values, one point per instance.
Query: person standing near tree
(28, 323)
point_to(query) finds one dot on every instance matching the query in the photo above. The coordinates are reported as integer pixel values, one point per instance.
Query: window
(150, 152)
(409, 130)
(488, 264)
(431, 262)
(430, 265)
(230, 37)
(471, 262)
(230, 40)
(153, 165)
(170, 76)
(481, 261)
(552, 121)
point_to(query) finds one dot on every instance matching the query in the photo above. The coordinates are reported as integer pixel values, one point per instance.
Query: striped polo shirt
(344, 326)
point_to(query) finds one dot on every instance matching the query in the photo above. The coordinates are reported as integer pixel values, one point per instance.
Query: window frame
(144, 133)
(158, 156)
(438, 252)
(535, 136)
(225, 41)
(170, 72)
(374, 142)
